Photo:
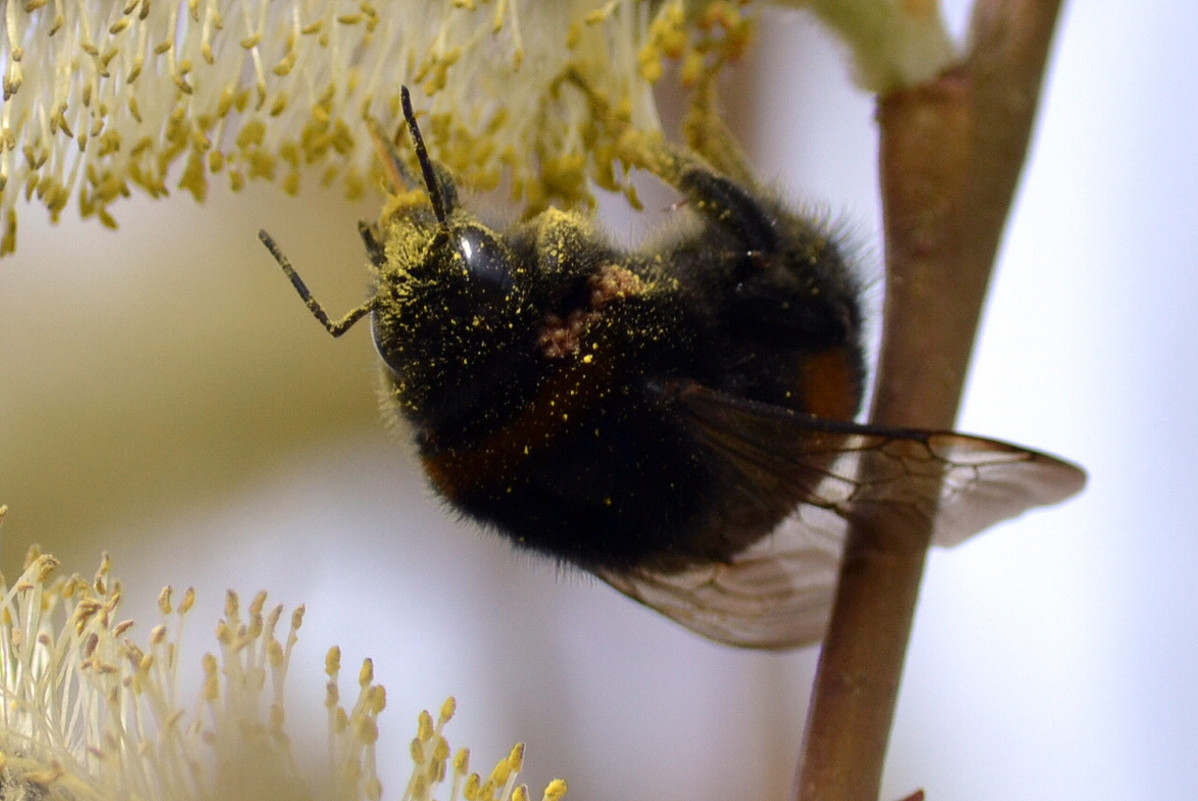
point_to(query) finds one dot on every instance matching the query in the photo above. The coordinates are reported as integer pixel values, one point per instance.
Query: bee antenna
(334, 327)
(426, 164)
(397, 172)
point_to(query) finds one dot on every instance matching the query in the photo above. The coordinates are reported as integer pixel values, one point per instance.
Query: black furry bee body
(676, 420)
(561, 427)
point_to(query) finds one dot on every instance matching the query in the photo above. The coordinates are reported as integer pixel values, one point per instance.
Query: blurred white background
(164, 396)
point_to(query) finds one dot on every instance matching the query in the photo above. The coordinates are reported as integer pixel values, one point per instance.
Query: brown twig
(951, 154)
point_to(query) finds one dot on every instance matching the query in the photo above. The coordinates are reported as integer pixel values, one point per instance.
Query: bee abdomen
(563, 403)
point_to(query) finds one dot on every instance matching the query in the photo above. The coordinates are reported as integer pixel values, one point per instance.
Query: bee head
(449, 297)
(451, 249)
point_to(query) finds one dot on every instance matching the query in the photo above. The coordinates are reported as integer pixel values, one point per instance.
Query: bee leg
(398, 174)
(707, 135)
(726, 203)
(723, 190)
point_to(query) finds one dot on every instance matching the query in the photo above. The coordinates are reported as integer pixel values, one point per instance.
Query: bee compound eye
(486, 260)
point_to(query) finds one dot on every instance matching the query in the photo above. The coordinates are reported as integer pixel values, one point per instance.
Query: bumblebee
(676, 419)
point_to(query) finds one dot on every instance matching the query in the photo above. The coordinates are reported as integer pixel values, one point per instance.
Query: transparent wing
(777, 592)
